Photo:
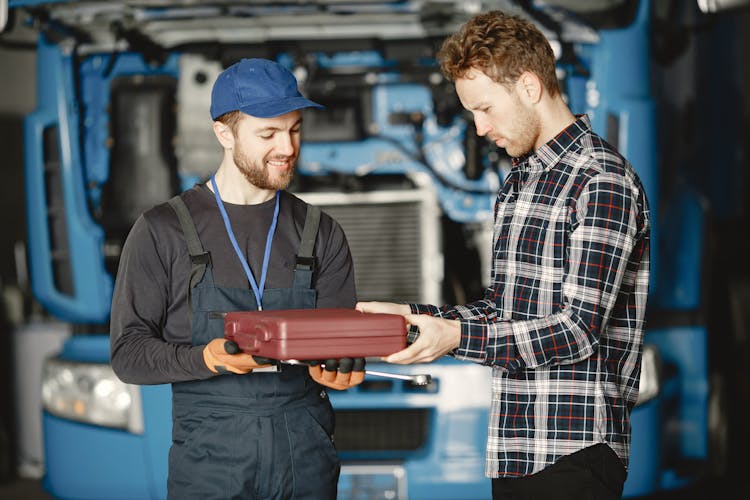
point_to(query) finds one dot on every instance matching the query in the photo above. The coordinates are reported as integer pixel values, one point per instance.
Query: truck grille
(393, 237)
(381, 430)
(385, 245)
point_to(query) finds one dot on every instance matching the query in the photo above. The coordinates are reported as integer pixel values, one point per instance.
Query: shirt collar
(548, 155)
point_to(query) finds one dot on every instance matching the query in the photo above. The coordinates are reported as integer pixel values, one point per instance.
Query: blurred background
(104, 113)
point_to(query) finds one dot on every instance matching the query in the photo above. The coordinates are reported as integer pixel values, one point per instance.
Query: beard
(259, 175)
(526, 130)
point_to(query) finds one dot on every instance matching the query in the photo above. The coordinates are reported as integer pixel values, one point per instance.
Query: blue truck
(122, 124)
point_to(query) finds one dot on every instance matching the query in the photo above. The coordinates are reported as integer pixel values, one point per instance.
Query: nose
(482, 126)
(285, 144)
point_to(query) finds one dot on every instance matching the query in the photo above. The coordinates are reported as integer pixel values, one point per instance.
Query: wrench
(421, 379)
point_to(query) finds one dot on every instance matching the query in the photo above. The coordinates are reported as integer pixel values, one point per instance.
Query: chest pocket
(541, 237)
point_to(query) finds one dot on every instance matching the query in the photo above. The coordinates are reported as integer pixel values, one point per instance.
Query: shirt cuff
(201, 371)
(427, 309)
(473, 341)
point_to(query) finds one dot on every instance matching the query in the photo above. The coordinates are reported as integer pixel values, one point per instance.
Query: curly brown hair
(502, 46)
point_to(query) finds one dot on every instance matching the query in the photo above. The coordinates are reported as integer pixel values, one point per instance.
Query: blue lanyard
(257, 289)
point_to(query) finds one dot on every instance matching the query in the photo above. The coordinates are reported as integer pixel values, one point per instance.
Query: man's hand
(437, 337)
(219, 361)
(383, 307)
(339, 374)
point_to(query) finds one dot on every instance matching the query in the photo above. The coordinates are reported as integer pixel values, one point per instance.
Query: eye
(266, 136)
(296, 130)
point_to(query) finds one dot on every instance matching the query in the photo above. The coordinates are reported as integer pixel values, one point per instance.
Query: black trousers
(594, 473)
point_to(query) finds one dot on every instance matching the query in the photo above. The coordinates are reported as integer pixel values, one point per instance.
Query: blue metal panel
(684, 350)
(450, 465)
(86, 349)
(86, 462)
(454, 465)
(682, 250)
(157, 424)
(681, 443)
(576, 88)
(92, 285)
(96, 78)
(393, 151)
(29, 3)
(644, 472)
(671, 430)
(619, 90)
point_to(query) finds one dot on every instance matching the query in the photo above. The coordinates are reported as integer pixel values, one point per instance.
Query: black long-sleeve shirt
(150, 322)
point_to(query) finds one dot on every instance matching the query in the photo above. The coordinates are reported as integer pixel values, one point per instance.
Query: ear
(224, 135)
(530, 87)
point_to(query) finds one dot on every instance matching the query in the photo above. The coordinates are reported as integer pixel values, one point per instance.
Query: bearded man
(241, 428)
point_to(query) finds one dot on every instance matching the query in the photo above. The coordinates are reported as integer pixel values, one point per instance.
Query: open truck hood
(96, 25)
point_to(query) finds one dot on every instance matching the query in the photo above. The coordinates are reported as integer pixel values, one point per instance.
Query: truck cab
(122, 123)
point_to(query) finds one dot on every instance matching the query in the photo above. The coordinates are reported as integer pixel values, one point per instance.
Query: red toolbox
(315, 334)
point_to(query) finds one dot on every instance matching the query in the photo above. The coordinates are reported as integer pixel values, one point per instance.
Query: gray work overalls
(255, 436)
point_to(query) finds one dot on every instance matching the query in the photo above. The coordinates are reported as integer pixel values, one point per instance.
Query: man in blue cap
(241, 429)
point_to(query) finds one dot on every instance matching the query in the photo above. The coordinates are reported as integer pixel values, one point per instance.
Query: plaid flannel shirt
(561, 323)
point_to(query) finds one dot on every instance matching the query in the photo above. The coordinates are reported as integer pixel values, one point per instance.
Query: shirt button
(507, 315)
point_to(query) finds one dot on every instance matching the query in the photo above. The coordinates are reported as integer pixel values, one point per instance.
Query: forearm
(139, 358)
(482, 310)
(559, 338)
(478, 309)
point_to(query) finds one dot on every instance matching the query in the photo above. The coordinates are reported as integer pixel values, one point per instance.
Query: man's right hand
(219, 361)
(383, 307)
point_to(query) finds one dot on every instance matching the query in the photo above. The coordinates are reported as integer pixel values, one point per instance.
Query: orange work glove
(339, 374)
(219, 360)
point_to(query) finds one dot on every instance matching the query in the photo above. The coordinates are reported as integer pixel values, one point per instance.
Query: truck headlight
(91, 393)
(650, 382)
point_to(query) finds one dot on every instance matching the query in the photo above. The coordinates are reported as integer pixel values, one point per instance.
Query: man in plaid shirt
(561, 323)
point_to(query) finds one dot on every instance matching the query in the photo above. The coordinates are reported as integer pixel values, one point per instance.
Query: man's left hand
(339, 374)
(437, 337)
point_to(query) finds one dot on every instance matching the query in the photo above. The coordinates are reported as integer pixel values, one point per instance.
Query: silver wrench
(421, 379)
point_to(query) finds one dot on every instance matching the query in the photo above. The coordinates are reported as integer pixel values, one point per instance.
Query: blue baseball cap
(258, 87)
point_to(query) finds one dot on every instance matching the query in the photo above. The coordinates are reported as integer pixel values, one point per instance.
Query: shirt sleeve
(602, 238)
(140, 303)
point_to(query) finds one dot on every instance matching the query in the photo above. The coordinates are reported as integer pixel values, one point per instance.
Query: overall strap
(199, 258)
(305, 263)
